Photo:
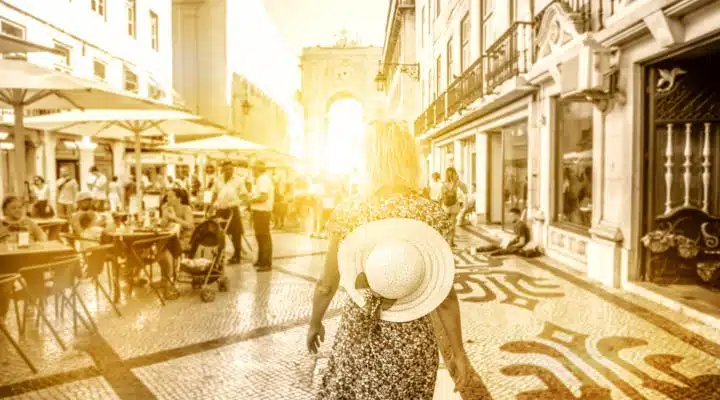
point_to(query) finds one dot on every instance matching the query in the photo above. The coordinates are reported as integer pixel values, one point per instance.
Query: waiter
(261, 206)
(228, 197)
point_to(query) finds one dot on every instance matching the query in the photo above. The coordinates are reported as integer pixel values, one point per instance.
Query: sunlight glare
(345, 130)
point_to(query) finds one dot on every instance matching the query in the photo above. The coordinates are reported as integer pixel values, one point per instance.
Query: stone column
(50, 174)
(87, 160)
(118, 153)
(481, 154)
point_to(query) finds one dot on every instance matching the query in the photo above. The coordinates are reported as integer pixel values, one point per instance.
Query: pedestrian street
(532, 329)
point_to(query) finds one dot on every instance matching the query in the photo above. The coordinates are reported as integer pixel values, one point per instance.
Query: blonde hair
(391, 157)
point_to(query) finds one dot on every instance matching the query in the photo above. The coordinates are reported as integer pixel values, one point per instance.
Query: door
(515, 171)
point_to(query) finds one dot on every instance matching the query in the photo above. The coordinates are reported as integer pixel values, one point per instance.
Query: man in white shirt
(97, 185)
(67, 189)
(261, 206)
(229, 195)
(435, 187)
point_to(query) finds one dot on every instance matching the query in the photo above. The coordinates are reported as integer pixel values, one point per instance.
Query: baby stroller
(205, 262)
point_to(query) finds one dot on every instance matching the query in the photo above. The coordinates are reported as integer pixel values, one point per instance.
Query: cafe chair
(95, 260)
(82, 245)
(53, 280)
(7, 286)
(145, 253)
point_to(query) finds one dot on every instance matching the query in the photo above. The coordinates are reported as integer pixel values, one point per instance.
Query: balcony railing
(440, 108)
(509, 56)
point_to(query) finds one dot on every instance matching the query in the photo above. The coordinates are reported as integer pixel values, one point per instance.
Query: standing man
(98, 187)
(67, 189)
(228, 197)
(261, 206)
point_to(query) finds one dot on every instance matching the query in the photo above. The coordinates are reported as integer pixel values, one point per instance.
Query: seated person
(88, 231)
(514, 245)
(15, 220)
(175, 213)
(84, 206)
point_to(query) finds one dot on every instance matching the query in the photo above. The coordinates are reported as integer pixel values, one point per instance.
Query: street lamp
(411, 70)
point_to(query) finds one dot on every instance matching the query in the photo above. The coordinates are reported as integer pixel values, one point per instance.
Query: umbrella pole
(19, 172)
(138, 170)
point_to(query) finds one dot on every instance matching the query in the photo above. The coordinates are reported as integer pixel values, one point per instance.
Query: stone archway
(331, 74)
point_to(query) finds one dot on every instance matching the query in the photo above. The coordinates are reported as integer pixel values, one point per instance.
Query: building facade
(591, 117)
(211, 68)
(124, 44)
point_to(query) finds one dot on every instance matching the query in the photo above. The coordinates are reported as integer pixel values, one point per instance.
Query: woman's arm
(324, 292)
(328, 283)
(449, 315)
(36, 232)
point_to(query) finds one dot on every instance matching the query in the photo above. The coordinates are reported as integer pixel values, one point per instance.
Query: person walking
(435, 187)
(41, 193)
(114, 195)
(67, 189)
(388, 249)
(97, 185)
(229, 195)
(261, 206)
(449, 198)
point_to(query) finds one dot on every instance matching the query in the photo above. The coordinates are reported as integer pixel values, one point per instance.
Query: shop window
(574, 164)
(514, 171)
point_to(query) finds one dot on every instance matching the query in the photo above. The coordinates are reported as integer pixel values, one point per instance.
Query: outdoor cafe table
(51, 226)
(123, 240)
(12, 257)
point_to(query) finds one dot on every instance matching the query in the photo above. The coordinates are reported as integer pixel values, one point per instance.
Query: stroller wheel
(222, 284)
(207, 295)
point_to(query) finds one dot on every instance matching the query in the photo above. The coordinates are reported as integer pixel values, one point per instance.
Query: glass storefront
(574, 166)
(515, 171)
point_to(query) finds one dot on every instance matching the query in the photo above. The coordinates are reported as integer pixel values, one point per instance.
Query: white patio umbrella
(26, 86)
(118, 124)
(227, 146)
(10, 44)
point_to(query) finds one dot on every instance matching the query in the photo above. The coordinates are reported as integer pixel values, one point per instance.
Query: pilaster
(118, 152)
(87, 159)
(481, 163)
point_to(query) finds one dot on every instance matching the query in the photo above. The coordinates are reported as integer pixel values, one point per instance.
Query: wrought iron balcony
(509, 56)
(440, 108)
(589, 15)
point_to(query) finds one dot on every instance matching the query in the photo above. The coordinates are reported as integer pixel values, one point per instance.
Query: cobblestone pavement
(533, 330)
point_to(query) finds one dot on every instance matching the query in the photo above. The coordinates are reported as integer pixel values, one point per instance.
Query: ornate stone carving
(558, 27)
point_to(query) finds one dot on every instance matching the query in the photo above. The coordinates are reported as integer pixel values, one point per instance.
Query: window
(154, 92)
(574, 165)
(465, 43)
(488, 31)
(98, 6)
(438, 75)
(449, 68)
(422, 28)
(437, 8)
(131, 80)
(63, 63)
(99, 69)
(16, 31)
(131, 17)
(12, 29)
(154, 31)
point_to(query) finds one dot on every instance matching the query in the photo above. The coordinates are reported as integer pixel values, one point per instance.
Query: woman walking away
(449, 199)
(388, 251)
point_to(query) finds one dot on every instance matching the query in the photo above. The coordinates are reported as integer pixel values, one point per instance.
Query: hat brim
(436, 252)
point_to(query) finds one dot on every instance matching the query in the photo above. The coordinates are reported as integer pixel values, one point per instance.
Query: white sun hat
(404, 260)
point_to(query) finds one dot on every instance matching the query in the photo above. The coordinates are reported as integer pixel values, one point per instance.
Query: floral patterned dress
(375, 359)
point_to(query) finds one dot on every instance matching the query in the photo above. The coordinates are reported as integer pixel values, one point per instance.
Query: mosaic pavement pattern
(533, 330)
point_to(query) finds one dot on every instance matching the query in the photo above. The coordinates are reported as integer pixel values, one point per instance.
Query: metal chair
(53, 280)
(95, 259)
(7, 287)
(145, 253)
